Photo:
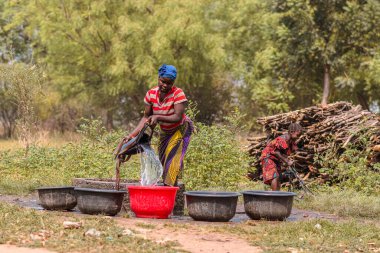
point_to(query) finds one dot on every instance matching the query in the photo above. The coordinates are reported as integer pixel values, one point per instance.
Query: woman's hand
(152, 120)
(121, 143)
(127, 138)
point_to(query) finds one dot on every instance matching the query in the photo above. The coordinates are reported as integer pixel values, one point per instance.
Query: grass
(9, 144)
(301, 236)
(145, 225)
(44, 139)
(314, 236)
(55, 166)
(30, 228)
(344, 203)
(17, 178)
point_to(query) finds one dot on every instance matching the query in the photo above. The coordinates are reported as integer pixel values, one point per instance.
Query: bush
(352, 169)
(47, 166)
(215, 159)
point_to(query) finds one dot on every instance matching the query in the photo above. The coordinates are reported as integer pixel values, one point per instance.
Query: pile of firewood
(332, 127)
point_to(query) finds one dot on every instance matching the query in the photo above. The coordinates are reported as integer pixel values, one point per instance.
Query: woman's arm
(179, 110)
(283, 158)
(147, 113)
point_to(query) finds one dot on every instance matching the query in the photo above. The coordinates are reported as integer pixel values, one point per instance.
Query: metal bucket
(95, 201)
(269, 205)
(211, 206)
(57, 198)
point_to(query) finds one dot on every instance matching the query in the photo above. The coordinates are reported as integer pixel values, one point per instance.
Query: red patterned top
(278, 144)
(165, 107)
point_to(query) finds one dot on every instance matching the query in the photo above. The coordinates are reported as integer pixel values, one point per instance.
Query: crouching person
(274, 158)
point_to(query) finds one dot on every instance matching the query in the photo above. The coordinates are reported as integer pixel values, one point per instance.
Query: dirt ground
(15, 249)
(189, 235)
(190, 238)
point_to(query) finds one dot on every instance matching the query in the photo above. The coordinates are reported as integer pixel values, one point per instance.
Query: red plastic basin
(152, 201)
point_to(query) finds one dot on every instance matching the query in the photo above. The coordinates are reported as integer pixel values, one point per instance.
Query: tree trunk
(8, 123)
(7, 131)
(109, 120)
(362, 99)
(326, 85)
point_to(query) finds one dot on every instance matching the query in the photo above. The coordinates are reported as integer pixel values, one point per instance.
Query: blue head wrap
(167, 71)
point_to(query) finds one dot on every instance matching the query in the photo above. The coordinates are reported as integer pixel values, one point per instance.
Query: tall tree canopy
(106, 53)
(101, 56)
(328, 42)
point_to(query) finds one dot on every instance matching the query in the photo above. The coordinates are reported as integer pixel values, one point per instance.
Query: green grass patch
(29, 228)
(314, 236)
(55, 166)
(344, 203)
(145, 225)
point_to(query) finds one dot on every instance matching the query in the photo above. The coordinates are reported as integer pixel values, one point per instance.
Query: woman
(165, 105)
(277, 152)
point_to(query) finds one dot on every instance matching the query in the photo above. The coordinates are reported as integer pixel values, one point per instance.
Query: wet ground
(31, 201)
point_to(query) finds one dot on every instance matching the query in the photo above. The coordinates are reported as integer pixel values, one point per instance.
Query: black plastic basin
(269, 205)
(96, 201)
(211, 206)
(57, 198)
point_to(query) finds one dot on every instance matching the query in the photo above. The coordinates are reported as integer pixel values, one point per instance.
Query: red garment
(270, 170)
(165, 107)
(270, 163)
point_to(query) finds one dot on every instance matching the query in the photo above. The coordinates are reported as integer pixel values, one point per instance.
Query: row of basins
(158, 202)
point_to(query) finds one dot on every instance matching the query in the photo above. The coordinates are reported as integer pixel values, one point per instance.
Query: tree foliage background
(265, 57)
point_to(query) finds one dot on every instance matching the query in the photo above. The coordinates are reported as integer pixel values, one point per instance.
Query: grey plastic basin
(97, 201)
(211, 206)
(57, 198)
(269, 205)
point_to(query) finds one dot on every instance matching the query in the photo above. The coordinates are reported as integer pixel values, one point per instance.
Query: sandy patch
(195, 239)
(14, 249)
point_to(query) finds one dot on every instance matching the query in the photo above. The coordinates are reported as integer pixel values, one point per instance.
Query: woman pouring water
(165, 105)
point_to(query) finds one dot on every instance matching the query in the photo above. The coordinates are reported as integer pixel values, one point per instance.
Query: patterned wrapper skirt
(172, 148)
(271, 170)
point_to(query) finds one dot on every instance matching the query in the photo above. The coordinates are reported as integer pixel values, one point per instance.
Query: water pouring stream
(151, 168)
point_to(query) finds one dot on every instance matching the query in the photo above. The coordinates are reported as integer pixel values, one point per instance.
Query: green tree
(23, 84)
(328, 42)
(14, 43)
(8, 110)
(106, 53)
(249, 27)
(14, 47)
(282, 51)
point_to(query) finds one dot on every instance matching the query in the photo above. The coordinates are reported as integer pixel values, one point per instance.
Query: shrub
(352, 169)
(49, 166)
(215, 159)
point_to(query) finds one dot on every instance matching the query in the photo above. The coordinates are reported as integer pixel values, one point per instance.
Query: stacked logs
(331, 127)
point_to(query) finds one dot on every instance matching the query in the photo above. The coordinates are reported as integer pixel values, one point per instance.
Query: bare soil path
(14, 249)
(191, 238)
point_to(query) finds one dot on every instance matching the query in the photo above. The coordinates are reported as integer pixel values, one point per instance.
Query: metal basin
(106, 184)
(269, 205)
(57, 198)
(95, 201)
(211, 206)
